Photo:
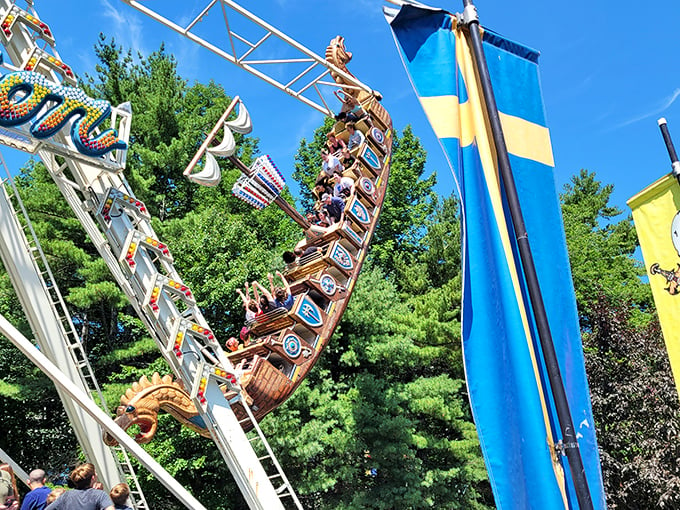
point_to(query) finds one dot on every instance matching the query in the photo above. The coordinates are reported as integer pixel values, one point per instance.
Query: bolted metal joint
(470, 14)
(561, 447)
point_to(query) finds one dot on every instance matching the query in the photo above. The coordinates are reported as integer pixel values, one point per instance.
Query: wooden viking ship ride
(284, 344)
(83, 144)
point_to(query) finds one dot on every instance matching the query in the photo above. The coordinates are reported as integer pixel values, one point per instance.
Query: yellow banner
(656, 213)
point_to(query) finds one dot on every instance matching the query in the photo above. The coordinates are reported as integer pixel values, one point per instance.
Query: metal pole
(84, 401)
(675, 164)
(211, 136)
(23, 475)
(570, 442)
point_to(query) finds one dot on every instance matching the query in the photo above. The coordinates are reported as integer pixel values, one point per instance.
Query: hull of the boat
(285, 346)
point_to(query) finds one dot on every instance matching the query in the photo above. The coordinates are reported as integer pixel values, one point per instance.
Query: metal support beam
(83, 400)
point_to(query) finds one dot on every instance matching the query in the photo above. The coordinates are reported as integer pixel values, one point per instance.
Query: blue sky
(608, 70)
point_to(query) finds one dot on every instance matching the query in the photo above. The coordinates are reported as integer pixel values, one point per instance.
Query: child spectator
(56, 492)
(232, 345)
(346, 158)
(119, 495)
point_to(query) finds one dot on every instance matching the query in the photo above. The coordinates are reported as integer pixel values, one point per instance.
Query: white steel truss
(53, 327)
(248, 43)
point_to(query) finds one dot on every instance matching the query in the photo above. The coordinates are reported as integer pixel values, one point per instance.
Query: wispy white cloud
(665, 104)
(126, 28)
(189, 58)
(307, 126)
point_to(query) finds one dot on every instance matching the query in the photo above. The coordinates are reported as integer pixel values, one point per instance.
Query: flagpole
(570, 443)
(675, 164)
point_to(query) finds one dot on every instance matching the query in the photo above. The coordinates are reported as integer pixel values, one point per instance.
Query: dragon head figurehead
(144, 399)
(336, 53)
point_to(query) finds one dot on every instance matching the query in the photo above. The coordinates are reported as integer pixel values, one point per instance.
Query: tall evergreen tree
(601, 249)
(384, 415)
(382, 421)
(635, 403)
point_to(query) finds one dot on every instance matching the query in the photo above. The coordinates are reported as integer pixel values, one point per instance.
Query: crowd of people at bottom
(84, 492)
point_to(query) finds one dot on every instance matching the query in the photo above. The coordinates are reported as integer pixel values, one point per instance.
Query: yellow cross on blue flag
(511, 401)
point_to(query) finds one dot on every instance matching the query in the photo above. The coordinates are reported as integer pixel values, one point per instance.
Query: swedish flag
(507, 380)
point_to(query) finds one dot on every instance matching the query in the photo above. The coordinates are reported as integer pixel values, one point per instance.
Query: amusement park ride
(220, 394)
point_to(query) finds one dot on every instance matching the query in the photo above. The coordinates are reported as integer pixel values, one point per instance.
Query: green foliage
(409, 203)
(169, 123)
(382, 421)
(635, 403)
(600, 249)
(308, 162)
(385, 415)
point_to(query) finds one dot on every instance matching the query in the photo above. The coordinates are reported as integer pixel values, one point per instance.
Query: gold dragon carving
(337, 54)
(142, 402)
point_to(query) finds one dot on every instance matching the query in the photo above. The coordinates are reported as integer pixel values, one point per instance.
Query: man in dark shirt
(334, 206)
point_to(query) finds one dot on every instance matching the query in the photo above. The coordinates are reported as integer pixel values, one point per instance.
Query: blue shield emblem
(310, 313)
(342, 257)
(360, 212)
(370, 158)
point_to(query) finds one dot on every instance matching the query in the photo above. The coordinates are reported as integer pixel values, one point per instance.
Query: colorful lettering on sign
(34, 91)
